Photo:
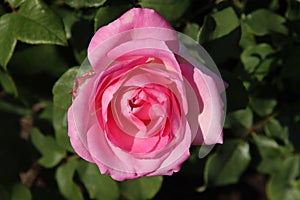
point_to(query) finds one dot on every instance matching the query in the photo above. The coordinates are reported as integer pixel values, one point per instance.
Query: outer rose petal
(211, 105)
(134, 18)
(75, 140)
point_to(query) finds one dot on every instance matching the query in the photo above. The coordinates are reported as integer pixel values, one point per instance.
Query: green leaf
(98, 186)
(263, 22)
(110, 12)
(263, 107)
(8, 83)
(293, 10)
(280, 185)
(61, 103)
(247, 37)
(274, 130)
(228, 164)
(52, 154)
(36, 23)
(240, 120)
(256, 60)
(219, 24)
(15, 3)
(7, 40)
(20, 191)
(64, 177)
(84, 3)
(272, 154)
(192, 30)
(172, 10)
(141, 188)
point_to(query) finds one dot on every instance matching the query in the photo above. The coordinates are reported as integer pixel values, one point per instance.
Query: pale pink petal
(133, 19)
(76, 142)
(210, 119)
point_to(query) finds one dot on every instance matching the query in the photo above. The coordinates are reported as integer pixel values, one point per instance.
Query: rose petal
(132, 19)
(210, 119)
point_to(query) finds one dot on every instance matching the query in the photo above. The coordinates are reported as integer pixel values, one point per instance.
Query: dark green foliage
(256, 46)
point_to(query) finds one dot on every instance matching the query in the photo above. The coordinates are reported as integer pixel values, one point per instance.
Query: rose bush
(145, 101)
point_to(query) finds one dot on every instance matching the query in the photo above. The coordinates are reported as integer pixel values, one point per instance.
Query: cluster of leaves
(255, 44)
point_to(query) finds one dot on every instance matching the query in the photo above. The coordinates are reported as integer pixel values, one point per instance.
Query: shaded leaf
(167, 8)
(141, 188)
(8, 83)
(272, 154)
(110, 12)
(98, 186)
(256, 61)
(247, 37)
(84, 3)
(7, 40)
(293, 10)
(263, 107)
(228, 164)
(20, 191)
(192, 30)
(61, 102)
(274, 130)
(263, 22)
(52, 154)
(240, 120)
(281, 184)
(64, 177)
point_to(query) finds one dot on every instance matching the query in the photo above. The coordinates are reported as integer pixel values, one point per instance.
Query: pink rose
(143, 104)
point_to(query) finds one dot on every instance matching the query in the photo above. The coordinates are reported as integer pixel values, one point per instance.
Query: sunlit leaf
(36, 23)
(7, 40)
(219, 24)
(15, 3)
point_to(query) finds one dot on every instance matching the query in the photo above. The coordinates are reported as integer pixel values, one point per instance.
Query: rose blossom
(143, 104)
